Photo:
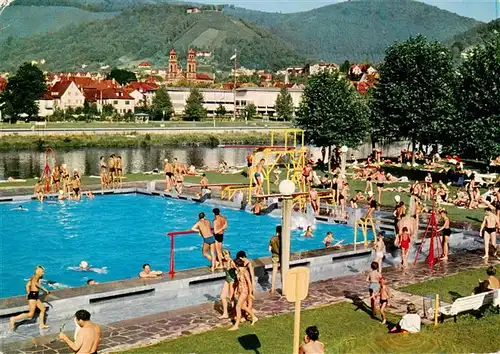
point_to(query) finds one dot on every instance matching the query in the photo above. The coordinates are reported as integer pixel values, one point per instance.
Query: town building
(62, 95)
(319, 67)
(264, 98)
(119, 98)
(175, 74)
(142, 92)
(193, 10)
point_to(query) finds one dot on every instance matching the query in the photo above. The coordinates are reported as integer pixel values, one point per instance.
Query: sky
(482, 10)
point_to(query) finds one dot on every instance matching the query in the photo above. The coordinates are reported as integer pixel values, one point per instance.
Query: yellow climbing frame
(364, 223)
(292, 156)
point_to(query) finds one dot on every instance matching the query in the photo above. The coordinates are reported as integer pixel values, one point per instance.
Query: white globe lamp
(287, 187)
(344, 149)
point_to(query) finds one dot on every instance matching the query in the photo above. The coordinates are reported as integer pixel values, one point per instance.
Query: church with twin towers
(177, 75)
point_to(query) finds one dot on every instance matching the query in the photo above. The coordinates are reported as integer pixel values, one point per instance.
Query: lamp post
(343, 159)
(287, 188)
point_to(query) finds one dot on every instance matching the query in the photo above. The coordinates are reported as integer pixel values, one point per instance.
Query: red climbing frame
(172, 248)
(47, 173)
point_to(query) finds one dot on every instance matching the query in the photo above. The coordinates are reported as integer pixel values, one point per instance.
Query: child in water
(308, 233)
(328, 239)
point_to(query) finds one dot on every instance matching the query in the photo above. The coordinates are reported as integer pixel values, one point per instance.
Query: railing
(172, 248)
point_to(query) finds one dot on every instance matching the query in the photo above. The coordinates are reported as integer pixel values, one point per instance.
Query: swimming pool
(122, 232)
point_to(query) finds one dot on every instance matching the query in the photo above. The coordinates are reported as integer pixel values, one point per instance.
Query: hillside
(474, 35)
(357, 30)
(22, 21)
(148, 33)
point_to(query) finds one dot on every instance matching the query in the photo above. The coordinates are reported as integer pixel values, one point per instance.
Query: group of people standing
(68, 187)
(111, 172)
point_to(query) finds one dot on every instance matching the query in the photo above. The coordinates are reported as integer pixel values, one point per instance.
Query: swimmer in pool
(148, 273)
(20, 208)
(85, 267)
(308, 233)
(205, 230)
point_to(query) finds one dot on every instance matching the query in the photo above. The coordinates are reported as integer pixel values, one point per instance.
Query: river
(28, 164)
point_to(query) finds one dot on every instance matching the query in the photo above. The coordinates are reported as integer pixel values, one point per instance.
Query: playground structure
(434, 238)
(46, 176)
(292, 156)
(363, 223)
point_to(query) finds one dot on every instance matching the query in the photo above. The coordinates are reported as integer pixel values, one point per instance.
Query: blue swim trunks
(209, 240)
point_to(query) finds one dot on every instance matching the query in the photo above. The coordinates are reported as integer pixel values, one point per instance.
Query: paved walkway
(154, 328)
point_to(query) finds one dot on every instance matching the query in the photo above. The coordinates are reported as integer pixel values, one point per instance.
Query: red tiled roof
(204, 77)
(191, 51)
(46, 96)
(59, 88)
(142, 86)
(144, 64)
(3, 84)
(116, 94)
(173, 51)
(81, 82)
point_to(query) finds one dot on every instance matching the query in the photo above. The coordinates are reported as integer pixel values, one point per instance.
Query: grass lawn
(450, 287)
(343, 329)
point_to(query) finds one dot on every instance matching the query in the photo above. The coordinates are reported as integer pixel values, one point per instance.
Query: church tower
(172, 66)
(191, 65)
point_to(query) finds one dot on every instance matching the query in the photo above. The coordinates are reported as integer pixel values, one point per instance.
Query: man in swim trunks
(380, 184)
(112, 170)
(220, 225)
(119, 170)
(446, 234)
(88, 335)
(75, 185)
(205, 229)
(33, 287)
(489, 232)
(169, 175)
(204, 184)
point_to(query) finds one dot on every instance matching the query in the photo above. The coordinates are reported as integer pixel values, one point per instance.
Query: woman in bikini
(119, 170)
(227, 291)
(33, 288)
(244, 291)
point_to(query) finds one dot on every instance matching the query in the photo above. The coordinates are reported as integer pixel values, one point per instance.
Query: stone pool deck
(154, 328)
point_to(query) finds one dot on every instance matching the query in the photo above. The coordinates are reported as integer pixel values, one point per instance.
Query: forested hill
(148, 33)
(474, 35)
(356, 30)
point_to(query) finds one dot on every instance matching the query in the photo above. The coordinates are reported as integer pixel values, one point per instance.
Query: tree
(414, 97)
(121, 76)
(250, 111)
(475, 130)
(220, 112)
(344, 68)
(332, 112)
(108, 110)
(22, 92)
(194, 106)
(162, 104)
(284, 105)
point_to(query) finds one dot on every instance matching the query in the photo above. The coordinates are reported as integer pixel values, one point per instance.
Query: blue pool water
(121, 232)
